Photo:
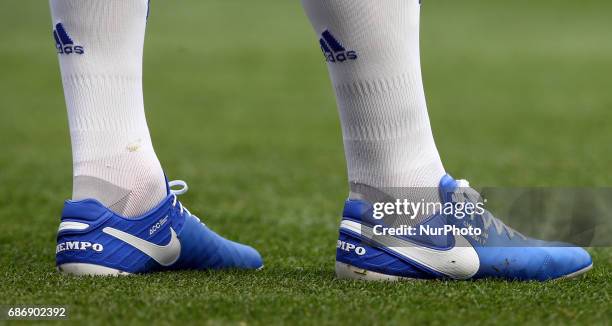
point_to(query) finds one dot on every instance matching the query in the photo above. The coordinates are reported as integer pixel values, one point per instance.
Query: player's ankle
(129, 187)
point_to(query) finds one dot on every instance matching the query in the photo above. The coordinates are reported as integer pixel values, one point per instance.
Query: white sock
(100, 46)
(372, 50)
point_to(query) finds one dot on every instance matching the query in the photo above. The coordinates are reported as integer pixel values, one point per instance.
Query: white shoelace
(487, 218)
(177, 192)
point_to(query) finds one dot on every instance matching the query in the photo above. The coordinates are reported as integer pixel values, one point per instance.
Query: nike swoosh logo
(460, 262)
(164, 255)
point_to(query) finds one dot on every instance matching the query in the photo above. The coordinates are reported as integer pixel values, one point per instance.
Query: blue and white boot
(92, 240)
(498, 252)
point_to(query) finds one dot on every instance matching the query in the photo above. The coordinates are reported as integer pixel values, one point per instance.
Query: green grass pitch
(240, 106)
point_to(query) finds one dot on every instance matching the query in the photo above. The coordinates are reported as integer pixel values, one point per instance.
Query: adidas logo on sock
(333, 50)
(64, 43)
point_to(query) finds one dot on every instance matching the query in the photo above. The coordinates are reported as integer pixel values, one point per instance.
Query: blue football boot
(92, 240)
(371, 250)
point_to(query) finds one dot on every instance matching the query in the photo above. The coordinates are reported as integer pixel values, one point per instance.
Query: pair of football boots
(93, 240)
